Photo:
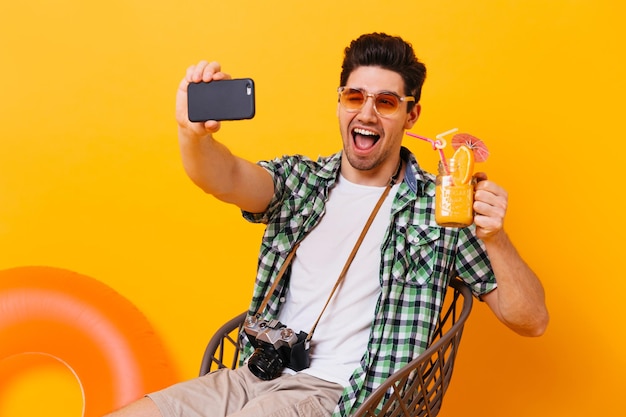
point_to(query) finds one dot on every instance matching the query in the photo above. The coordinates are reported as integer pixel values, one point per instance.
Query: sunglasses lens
(386, 104)
(352, 99)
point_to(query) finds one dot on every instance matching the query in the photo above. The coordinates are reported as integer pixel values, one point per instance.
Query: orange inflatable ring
(104, 339)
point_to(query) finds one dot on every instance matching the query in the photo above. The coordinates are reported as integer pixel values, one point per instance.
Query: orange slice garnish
(463, 165)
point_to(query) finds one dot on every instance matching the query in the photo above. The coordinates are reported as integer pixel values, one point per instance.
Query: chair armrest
(223, 342)
(418, 388)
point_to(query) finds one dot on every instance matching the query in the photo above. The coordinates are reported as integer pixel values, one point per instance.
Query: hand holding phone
(221, 100)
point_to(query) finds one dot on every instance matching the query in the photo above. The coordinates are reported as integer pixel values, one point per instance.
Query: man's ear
(412, 116)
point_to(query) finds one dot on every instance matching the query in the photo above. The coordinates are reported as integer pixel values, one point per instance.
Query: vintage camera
(276, 347)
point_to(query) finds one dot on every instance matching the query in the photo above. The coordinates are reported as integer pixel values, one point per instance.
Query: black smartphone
(221, 100)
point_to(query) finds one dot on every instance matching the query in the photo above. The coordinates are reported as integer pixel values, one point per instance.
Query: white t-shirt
(341, 337)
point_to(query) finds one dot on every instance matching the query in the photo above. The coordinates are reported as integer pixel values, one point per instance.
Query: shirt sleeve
(274, 167)
(472, 263)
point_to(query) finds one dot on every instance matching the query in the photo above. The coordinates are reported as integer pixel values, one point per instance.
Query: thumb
(479, 176)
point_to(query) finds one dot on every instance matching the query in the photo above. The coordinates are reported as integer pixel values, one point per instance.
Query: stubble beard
(366, 164)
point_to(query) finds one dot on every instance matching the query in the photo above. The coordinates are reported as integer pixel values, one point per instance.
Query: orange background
(91, 180)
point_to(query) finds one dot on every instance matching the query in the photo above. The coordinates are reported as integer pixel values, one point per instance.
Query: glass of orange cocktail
(454, 191)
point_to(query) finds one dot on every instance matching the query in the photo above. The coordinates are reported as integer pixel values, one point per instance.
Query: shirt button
(282, 299)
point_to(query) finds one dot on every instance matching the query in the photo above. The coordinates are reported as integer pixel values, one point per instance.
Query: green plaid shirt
(418, 259)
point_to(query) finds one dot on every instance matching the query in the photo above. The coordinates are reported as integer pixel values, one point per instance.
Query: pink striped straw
(438, 144)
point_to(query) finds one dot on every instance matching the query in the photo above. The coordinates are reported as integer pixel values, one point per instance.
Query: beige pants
(238, 393)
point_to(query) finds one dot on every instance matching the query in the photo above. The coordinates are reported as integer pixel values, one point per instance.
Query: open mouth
(364, 139)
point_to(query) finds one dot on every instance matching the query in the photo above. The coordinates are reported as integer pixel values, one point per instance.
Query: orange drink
(453, 204)
(454, 191)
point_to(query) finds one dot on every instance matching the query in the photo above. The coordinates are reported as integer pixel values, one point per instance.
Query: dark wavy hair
(388, 52)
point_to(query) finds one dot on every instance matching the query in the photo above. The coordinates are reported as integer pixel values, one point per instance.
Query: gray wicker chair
(416, 390)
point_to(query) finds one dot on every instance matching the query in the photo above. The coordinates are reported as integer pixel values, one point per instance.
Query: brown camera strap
(344, 271)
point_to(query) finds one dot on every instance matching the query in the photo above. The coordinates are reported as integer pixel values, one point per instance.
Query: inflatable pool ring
(103, 338)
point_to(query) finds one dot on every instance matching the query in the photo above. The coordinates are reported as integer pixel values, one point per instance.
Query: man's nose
(368, 110)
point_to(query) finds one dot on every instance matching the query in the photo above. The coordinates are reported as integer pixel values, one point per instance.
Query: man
(384, 310)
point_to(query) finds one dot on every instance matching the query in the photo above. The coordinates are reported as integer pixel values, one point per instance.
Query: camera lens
(266, 363)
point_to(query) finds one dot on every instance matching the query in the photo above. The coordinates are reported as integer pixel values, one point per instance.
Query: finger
(196, 72)
(490, 207)
(487, 226)
(488, 185)
(221, 76)
(189, 73)
(188, 78)
(212, 126)
(210, 70)
(491, 193)
(203, 71)
(488, 203)
(182, 86)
